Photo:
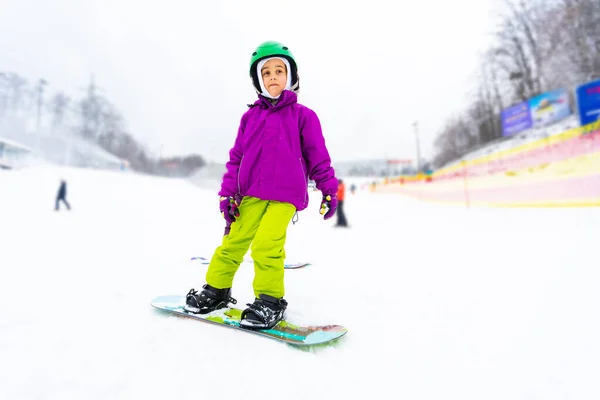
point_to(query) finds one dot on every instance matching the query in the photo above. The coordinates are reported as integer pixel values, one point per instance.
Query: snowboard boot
(208, 300)
(264, 313)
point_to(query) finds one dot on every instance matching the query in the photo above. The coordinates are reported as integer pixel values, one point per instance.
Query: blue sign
(549, 107)
(588, 101)
(516, 119)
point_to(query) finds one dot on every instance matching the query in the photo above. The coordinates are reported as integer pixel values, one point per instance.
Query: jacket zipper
(305, 181)
(238, 176)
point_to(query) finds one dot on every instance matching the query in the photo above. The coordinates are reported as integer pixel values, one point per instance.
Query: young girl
(279, 147)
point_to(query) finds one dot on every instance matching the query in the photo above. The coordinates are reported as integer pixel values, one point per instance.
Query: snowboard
(230, 317)
(287, 265)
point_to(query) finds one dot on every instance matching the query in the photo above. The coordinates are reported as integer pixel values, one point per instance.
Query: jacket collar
(287, 98)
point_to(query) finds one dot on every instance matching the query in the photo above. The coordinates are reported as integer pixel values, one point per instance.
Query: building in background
(374, 167)
(13, 155)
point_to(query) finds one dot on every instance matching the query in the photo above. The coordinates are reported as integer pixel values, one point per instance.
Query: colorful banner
(516, 119)
(549, 107)
(562, 170)
(588, 102)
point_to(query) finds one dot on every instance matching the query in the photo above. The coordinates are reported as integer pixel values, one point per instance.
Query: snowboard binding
(208, 300)
(264, 313)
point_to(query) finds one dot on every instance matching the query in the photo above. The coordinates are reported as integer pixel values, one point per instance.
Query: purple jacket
(277, 149)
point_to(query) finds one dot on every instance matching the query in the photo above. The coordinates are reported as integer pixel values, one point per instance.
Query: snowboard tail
(230, 317)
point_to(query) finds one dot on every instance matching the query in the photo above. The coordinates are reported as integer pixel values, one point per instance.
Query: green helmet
(273, 49)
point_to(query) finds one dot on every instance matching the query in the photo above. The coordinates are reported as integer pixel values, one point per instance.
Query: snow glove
(229, 206)
(328, 206)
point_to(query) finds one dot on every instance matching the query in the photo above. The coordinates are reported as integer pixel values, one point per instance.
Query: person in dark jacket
(62, 196)
(341, 195)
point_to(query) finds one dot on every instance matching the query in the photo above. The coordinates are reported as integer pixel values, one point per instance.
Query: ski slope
(441, 302)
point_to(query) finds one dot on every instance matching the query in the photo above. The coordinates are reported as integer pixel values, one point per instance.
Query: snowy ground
(440, 302)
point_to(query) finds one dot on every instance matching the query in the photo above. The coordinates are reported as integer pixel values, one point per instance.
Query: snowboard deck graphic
(287, 265)
(230, 317)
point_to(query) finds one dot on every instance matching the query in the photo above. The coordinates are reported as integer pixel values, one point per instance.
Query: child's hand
(229, 208)
(328, 206)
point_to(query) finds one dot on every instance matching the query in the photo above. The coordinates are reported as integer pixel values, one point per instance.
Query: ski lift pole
(418, 146)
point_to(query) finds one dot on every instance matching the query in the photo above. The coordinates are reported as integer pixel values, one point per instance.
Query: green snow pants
(262, 224)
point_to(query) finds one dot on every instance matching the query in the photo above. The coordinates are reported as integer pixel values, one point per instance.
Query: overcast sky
(178, 70)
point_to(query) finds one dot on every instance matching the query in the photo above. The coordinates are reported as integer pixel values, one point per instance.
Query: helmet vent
(253, 54)
(285, 48)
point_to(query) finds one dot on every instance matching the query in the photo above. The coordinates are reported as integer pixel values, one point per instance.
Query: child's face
(274, 76)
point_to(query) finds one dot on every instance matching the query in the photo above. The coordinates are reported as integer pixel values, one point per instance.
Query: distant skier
(62, 196)
(353, 188)
(341, 194)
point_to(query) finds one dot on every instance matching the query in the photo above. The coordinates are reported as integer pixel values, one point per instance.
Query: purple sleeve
(315, 153)
(229, 186)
